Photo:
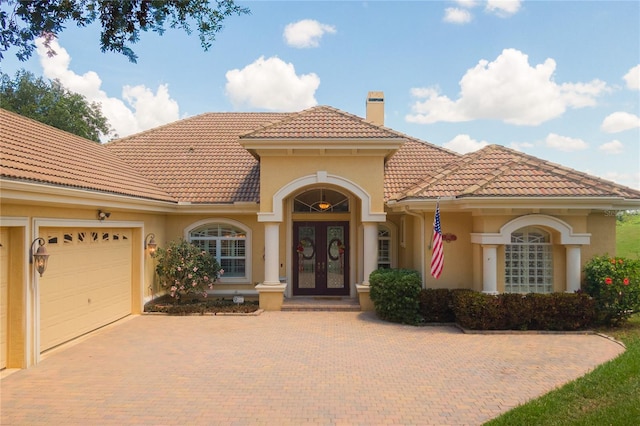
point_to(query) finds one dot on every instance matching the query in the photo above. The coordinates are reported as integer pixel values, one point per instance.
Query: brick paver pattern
(292, 368)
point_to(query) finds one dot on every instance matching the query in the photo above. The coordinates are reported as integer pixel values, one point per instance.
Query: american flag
(437, 256)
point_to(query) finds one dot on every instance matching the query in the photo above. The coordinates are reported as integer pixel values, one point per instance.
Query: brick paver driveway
(292, 368)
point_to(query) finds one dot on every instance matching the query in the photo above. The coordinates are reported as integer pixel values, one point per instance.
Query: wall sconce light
(103, 215)
(449, 237)
(40, 257)
(150, 243)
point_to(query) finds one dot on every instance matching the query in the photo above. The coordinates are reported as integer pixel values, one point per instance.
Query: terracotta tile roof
(32, 151)
(498, 171)
(199, 159)
(414, 161)
(319, 123)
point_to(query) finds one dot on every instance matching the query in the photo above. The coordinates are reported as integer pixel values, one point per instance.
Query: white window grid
(384, 247)
(226, 243)
(529, 262)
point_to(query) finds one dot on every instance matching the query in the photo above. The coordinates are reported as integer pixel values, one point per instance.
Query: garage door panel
(90, 284)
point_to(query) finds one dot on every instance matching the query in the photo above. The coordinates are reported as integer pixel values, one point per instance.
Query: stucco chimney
(375, 108)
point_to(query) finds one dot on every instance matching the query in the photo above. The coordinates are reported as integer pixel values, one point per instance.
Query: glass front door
(321, 258)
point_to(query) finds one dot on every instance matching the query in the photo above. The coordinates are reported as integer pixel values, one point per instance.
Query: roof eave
(491, 203)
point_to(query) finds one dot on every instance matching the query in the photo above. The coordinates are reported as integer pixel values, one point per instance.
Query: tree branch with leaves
(22, 22)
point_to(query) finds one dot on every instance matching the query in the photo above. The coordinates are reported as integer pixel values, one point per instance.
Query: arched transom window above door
(320, 200)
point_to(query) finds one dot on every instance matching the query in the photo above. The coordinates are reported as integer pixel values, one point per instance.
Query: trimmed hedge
(398, 297)
(511, 311)
(436, 305)
(394, 293)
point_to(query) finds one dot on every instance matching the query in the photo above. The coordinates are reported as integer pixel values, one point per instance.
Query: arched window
(529, 262)
(229, 244)
(320, 200)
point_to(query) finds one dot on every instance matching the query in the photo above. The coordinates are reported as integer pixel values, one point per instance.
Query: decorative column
(370, 249)
(573, 268)
(271, 253)
(489, 269)
(370, 263)
(271, 291)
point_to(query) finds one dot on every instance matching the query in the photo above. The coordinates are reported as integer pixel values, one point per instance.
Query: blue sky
(557, 80)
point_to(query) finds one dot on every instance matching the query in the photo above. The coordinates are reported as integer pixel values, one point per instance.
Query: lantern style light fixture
(150, 243)
(323, 204)
(40, 257)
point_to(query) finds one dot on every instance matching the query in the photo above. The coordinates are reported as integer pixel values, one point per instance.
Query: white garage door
(87, 283)
(4, 294)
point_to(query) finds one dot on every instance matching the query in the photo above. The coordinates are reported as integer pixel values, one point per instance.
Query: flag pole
(431, 238)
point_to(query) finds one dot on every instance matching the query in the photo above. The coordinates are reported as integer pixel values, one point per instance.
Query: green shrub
(436, 305)
(184, 270)
(394, 293)
(476, 311)
(614, 282)
(561, 311)
(512, 311)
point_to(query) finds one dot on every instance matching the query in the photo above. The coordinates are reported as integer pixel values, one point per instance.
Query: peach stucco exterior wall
(278, 171)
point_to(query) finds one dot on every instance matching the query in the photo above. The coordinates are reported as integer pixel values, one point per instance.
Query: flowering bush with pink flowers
(184, 270)
(614, 282)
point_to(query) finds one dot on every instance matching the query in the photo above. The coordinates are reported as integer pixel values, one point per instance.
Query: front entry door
(321, 258)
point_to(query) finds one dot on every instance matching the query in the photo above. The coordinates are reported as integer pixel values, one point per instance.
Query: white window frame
(248, 246)
(542, 252)
(392, 238)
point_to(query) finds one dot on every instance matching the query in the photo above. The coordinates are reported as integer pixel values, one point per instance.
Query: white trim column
(370, 249)
(271, 291)
(271, 253)
(573, 268)
(489, 268)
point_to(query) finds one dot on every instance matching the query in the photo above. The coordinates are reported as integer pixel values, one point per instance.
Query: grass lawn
(628, 236)
(609, 395)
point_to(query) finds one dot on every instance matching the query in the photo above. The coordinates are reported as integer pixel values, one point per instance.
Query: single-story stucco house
(291, 204)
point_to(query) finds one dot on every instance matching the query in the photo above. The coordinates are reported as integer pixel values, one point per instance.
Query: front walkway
(292, 368)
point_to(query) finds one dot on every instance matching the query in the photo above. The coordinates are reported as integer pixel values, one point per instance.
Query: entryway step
(321, 303)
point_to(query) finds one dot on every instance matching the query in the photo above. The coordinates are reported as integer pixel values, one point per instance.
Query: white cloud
(145, 110)
(507, 89)
(456, 15)
(633, 78)
(151, 110)
(503, 8)
(271, 84)
(306, 33)
(464, 144)
(632, 180)
(521, 146)
(468, 4)
(565, 143)
(619, 122)
(613, 147)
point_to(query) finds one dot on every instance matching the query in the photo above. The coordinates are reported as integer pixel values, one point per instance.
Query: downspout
(422, 242)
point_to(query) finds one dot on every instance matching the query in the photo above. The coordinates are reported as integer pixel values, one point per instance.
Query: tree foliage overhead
(21, 22)
(49, 102)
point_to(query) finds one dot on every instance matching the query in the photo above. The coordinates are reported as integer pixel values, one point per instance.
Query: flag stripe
(437, 256)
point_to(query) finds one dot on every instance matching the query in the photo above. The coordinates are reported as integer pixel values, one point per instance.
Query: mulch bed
(167, 305)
